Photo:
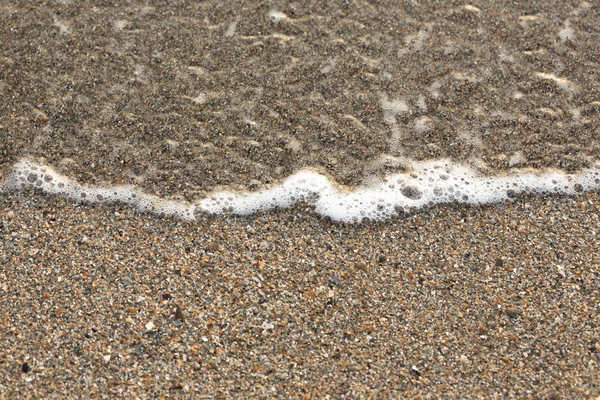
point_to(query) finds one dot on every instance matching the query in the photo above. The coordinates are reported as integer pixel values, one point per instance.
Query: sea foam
(426, 183)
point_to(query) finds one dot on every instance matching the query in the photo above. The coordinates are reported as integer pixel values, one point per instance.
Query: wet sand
(185, 97)
(451, 302)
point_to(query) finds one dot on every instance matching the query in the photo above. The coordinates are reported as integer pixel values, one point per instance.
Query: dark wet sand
(189, 96)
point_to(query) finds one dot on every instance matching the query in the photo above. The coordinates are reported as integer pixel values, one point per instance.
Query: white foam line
(427, 183)
(27, 174)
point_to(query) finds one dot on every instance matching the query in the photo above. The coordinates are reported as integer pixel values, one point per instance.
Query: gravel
(101, 302)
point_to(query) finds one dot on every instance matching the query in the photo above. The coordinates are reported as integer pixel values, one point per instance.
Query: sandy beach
(452, 302)
(190, 97)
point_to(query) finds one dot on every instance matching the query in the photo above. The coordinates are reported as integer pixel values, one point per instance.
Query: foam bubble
(425, 184)
(277, 16)
(424, 125)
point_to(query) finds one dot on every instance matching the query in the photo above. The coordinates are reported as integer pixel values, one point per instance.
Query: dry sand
(452, 302)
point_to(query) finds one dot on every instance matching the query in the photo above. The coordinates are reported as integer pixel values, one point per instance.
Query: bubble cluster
(27, 174)
(277, 16)
(391, 109)
(425, 184)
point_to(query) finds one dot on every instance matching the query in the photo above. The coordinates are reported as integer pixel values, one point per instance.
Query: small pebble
(335, 279)
(513, 312)
(362, 266)
(25, 368)
(178, 313)
(415, 371)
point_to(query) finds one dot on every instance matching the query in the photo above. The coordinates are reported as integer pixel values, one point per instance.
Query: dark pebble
(178, 314)
(25, 368)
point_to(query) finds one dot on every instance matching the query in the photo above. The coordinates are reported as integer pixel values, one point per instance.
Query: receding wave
(425, 184)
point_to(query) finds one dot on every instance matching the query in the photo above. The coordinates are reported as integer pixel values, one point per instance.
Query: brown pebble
(178, 313)
(513, 312)
(212, 247)
(40, 116)
(555, 396)
(362, 266)
(167, 296)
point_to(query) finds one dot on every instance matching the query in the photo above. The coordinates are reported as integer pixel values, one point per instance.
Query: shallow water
(352, 107)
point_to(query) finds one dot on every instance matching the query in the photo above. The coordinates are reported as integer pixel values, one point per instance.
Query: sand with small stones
(495, 302)
(188, 97)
